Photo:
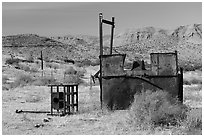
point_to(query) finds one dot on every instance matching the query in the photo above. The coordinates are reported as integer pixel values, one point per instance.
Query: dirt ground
(90, 120)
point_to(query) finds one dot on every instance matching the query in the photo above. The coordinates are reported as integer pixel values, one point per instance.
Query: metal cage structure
(64, 99)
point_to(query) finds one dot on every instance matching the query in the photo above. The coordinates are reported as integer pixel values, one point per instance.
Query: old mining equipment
(118, 86)
(64, 99)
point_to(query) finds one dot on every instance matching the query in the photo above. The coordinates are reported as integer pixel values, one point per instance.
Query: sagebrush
(151, 109)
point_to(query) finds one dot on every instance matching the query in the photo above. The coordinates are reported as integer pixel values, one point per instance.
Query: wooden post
(112, 32)
(101, 52)
(176, 61)
(42, 62)
(101, 33)
(180, 84)
(90, 82)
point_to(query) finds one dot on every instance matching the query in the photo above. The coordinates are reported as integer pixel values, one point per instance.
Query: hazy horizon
(63, 18)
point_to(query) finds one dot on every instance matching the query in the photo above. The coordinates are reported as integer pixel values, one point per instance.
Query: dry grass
(22, 80)
(90, 120)
(44, 81)
(192, 77)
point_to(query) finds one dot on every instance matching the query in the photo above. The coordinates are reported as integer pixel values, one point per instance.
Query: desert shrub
(80, 72)
(192, 78)
(192, 67)
(55, 66)
(44, 81)
(26, 68)
(95, 62)
(48, 65)
(23, 67)
(22, 80)
(29, 57)
(73, 79)
(83, 63)
(5, 84)
(37, 62)
(12, 61)
(151, 109)
(193, 120)
(4, 79)
(192, 81)
(33, 69)
(70, 70)
(52, 65)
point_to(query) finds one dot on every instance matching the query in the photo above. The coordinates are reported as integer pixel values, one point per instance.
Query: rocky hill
(136, 43)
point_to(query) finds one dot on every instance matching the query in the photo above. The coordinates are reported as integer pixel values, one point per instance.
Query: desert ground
(23, 94)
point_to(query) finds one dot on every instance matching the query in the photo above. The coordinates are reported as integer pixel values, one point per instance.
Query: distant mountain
(28, 40)
(136, 43)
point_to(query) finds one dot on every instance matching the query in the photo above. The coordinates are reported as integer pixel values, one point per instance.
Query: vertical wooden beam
(101, 53)
(112, 33)
(101, 32)
(176, 61)
(42, 61)
(180, 94)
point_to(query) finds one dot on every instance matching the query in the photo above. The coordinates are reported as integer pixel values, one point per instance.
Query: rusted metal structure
(118, 86)
(64, 99)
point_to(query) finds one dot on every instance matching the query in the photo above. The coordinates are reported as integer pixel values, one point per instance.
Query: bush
(192, 77)
(193, 120)
(22, 80)
(95, 62)
(192, 81)
(26, 68)
(70, 70)
(73, 79)
(81, 72)
(30, 58)
(11, 61)
(158, 108)
(23, 67)
(4, 79)
(44, 81)
(52, 65)
(191, 66)
(33, 69)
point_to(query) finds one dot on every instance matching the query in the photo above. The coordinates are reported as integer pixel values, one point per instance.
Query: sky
(63, 18)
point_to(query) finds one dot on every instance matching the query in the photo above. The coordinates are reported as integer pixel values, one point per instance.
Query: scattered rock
(47, 119)
(39, 125)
